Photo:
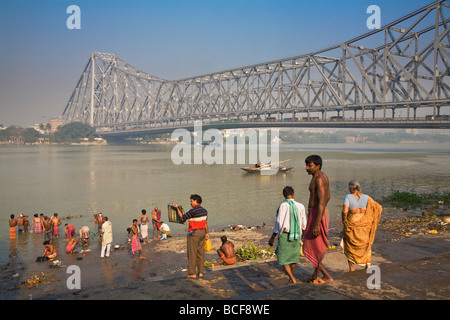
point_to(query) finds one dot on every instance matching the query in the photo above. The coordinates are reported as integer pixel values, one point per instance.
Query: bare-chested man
(56, 222)
(47, 225)
(156, 220)
(21, 223)
(98, 218)
(315, 242)
(226, 251)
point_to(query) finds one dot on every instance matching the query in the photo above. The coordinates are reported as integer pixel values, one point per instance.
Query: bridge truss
(402, 67)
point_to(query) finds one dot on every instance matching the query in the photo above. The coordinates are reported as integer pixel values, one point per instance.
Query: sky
(41, 59)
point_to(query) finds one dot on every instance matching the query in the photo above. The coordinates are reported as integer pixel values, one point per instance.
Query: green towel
(294, 227)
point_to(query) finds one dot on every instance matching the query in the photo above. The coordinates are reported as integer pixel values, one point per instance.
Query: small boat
(268, 169)
(285, 169)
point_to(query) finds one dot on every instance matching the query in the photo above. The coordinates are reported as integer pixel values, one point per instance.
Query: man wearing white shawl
(107, 238)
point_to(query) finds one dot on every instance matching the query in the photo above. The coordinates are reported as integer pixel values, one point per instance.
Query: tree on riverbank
(70, 133)
(19, 135)
(74, 132)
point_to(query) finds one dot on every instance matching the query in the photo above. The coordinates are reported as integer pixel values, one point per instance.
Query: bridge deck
(137, 129)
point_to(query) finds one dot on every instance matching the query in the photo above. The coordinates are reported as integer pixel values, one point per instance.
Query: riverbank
(83, 142)
(413, 266)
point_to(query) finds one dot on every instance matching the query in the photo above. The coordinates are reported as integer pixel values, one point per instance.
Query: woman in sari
(360, 217)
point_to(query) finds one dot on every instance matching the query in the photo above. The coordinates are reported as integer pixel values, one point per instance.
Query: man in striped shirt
(197, 234)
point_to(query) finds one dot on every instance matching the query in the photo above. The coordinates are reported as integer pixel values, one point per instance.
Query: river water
(120, 181)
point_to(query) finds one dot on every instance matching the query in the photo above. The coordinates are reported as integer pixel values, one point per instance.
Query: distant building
(55, 123)
(37, 127)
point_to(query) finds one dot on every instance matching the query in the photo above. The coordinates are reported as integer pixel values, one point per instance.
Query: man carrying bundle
(197, 234)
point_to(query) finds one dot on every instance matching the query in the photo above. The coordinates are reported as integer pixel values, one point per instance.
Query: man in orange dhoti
(360, 217)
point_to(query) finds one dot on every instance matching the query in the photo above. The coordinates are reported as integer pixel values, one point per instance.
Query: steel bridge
(393, 77)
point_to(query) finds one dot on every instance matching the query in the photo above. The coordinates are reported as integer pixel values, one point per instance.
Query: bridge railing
(149, 126)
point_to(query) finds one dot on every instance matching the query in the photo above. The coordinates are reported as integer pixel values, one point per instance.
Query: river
(120, 181)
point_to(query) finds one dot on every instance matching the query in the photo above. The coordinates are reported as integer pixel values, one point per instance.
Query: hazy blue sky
(41, 60)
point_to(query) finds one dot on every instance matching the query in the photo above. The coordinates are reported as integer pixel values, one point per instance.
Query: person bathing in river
(56, 222)
(107, 238)
(98, 218)
(36, 226)
(49, 251)
(69, 230)
(156, 220)
(71, 244)
(135, 242)
(12, 228)
(21, 223)
(144, 220)
(84, 236)
(48, 230)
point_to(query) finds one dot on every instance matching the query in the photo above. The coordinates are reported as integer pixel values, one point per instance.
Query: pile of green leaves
(251, 252)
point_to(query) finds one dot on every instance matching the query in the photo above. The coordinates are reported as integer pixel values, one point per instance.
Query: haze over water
(120, 181)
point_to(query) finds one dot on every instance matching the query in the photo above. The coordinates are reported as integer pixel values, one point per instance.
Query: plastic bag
(208, 245)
